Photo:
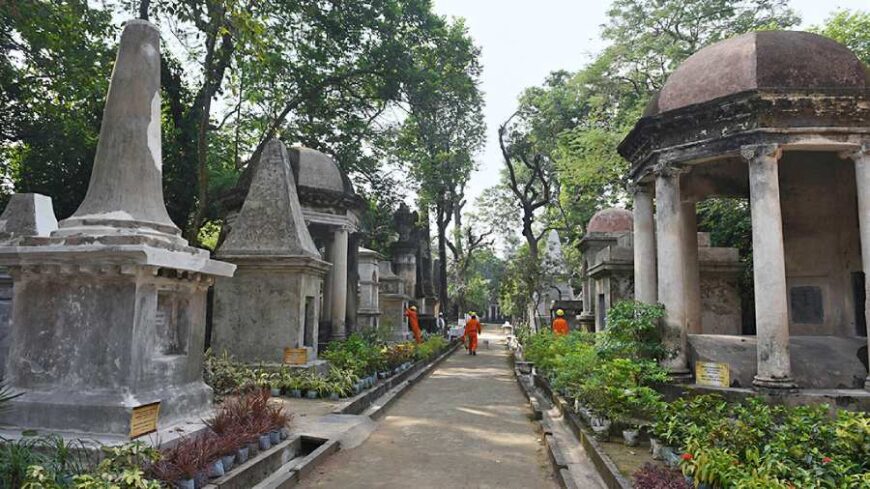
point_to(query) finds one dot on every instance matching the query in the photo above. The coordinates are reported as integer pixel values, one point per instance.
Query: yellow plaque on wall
(712, 374)
(144, 419)
(295, 356)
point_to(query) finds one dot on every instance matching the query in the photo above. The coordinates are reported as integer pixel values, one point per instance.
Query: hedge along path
(466, 425)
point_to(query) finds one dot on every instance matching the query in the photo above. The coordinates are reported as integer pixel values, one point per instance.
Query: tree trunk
(442, 220)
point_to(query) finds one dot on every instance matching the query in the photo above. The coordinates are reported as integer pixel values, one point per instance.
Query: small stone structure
(781, 118)
(369, 311)
(273, 301)
(608, 275)
(109, 310)
(331, 210)
(26, 215)
(412, 259)
(558, 288)
(393, 301)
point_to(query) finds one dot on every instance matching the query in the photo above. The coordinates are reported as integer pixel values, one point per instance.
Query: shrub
(632, 332)
(619, 389)
(753, 444)
(122, 467)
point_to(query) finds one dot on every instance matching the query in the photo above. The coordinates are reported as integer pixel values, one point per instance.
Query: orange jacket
(560, 326)
(473, 327)
(412, 318)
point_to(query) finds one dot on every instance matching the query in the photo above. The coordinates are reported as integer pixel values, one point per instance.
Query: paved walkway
(465, 426)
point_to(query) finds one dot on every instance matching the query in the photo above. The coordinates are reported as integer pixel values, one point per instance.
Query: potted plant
(631, 435)
(600, 425)
(228, 457)
(210, 450)
(293, 385)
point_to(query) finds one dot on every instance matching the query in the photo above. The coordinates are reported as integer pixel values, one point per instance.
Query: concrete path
(467, 425)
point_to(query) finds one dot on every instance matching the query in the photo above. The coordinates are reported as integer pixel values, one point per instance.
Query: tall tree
(235, 72)
(444, 128)
(55, 59)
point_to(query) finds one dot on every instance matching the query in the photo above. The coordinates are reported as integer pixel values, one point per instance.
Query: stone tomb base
(269, 304)
(97, 331)
(817, 362)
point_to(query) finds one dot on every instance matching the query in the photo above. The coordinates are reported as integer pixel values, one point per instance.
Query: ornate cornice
(725, 124)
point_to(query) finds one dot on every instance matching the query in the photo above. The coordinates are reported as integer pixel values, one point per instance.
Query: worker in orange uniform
(560, 324)
(472, 329)
(414, 322)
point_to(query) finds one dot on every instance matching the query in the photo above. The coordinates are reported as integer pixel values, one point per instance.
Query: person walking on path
(560, 324)
(414, 322)
(472, 329)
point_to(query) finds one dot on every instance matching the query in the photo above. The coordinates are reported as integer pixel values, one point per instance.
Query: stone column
(768, 255)
(328, 284)
(671, 260)
(339, 282)
(861, 158)
(644, 247)
(692, 274)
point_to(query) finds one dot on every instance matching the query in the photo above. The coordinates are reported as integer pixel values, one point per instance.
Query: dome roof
(319, 171)
(761, 60)
(612, 220)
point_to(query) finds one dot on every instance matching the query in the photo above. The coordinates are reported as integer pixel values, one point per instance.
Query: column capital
(635, 188)
(754, 152)
(669, 170)
(859, 153)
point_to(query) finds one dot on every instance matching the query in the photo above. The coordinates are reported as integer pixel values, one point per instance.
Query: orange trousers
(418, 335)
(471, 341)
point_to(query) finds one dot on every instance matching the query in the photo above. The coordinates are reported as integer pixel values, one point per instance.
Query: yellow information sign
(713, 374)
(144, 419)
(295, 356)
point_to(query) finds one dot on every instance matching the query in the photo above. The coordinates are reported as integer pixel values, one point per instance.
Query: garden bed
(606, 382)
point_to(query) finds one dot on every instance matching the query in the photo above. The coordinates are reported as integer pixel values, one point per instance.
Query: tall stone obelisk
(109, 311)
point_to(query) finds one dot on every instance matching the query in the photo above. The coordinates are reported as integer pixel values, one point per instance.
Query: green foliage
(619, 389)
(54, 64)
(350, 360)
(223, 374)
(754, 444)
(236, 74)
(122, 467)
(851, 28)
(632, 332)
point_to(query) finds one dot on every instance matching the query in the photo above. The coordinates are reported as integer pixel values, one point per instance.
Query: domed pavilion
(782, 118)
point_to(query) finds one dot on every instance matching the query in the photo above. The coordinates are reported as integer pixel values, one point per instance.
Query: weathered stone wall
(822, 246)
(259, 312)
(5, 317)
(835, 362)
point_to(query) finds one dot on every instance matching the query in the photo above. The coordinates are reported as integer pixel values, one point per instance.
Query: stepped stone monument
(109, 310)
(273, 302)
(25, 215)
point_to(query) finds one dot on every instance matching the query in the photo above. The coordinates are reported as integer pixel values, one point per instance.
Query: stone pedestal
(26, 215)
(369, 286)
(393, 302)
(273, 301)
(109, 311)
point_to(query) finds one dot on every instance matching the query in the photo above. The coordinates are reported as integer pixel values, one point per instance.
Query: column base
(785, 384)
(867, 383)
